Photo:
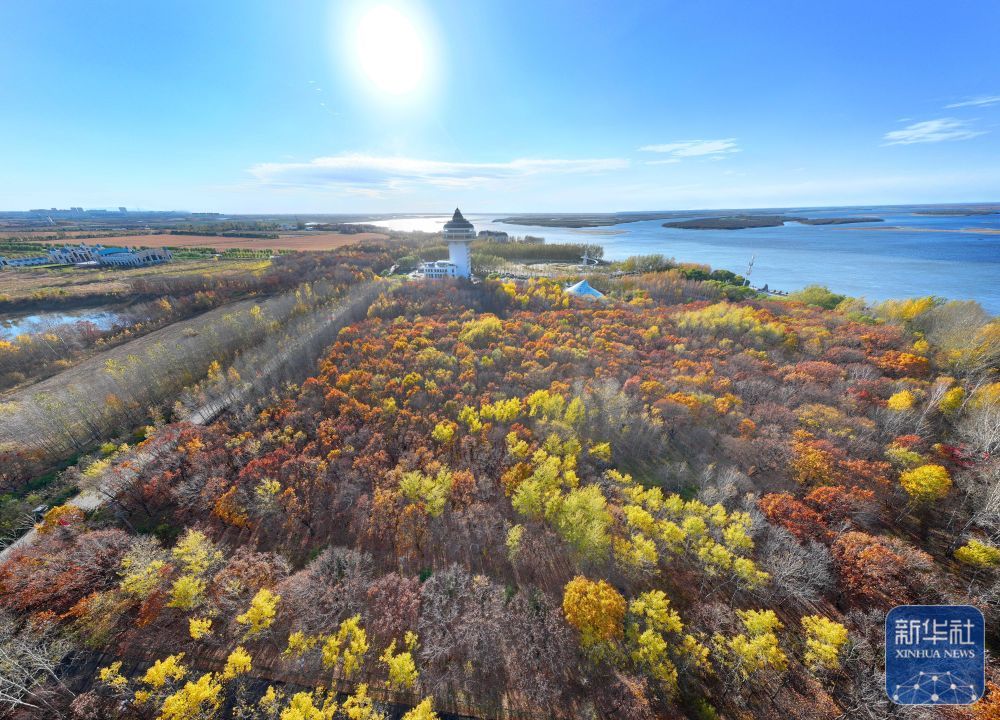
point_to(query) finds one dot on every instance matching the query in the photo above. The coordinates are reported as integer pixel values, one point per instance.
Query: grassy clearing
(67, 283)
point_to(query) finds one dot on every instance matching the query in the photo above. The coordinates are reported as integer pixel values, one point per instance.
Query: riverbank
(900, 228)
(958, 260)
(744, 222)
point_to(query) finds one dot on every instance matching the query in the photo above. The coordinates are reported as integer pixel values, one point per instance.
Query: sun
(391, 51)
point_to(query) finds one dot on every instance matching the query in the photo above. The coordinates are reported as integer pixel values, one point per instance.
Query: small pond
(12, 326)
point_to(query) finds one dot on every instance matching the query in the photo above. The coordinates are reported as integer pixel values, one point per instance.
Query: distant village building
(458, 233)
(83, 255)
(494, 235)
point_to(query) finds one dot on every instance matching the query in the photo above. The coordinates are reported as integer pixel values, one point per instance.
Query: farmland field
(285, 241)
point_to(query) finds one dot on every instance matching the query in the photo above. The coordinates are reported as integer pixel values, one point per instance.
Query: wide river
(906, 255)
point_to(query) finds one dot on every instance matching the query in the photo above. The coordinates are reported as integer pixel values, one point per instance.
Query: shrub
(819, 296)
(732, 320)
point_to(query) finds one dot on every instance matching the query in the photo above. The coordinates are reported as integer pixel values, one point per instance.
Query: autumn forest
(500, 501)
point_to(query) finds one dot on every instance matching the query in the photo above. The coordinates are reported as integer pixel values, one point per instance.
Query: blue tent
(583, 289)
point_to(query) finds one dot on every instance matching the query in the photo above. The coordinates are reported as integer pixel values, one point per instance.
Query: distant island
(959, 212)
(742, 222)
(678, 219)
(588, 220)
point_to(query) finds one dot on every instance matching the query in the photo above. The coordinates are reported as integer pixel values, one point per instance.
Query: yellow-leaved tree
(978, 554)
(196, 552)
(359, 706)
(651, 619)
(348, 646)
(430, 490)
(757, 648)
(142, 569)
(187, 592)
(423, 711)
(199, 627)
(299, 644)
(169, 668)
(926, 483)
(824, 641)
(903, 400)
(308, 706)
(196, 555)
(596, 610)
(403, 673)
(261, 612)
(238, 663)
(199, 699)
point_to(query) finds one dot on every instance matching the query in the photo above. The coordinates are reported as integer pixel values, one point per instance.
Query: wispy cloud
(932, 131)
(354, 171)
(322, 102)
(668, 161)
(982, 101)
(695, 148)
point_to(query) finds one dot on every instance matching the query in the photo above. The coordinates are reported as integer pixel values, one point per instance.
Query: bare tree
(29, 661)
(800, 573)
(980, 427)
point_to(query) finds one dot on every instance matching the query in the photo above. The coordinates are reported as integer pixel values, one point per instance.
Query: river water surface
(906, 255)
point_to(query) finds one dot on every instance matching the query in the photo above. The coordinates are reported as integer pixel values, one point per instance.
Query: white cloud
(930, 131)
(353, 171)
(857, 189)
(668, 161)
(695, 148)
(982, 101)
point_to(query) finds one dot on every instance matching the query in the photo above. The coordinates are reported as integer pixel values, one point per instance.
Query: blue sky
(309, 106)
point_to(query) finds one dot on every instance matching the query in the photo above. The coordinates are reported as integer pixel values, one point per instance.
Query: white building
(93, 255)
(438, 269)
(130, 257)
(23, 262)
(73, 254)
(458, 233)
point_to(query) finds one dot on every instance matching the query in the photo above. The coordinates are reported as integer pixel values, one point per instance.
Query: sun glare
(391, 51)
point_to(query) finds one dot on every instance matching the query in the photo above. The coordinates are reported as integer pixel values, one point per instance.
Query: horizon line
(522, 212)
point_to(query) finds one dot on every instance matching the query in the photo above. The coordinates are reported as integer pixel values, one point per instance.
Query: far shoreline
(905, 228)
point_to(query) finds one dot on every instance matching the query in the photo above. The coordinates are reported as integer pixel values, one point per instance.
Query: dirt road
(119, 475)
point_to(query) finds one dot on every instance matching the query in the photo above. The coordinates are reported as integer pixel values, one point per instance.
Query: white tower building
(458, 232)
